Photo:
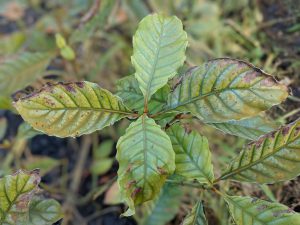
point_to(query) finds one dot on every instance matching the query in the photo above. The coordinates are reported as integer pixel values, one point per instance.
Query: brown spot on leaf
(249, 77)
(285, 130)
(135, 192)
(268, 82)
(80, 84)
(130, 183)
(281, 212)
(262, 207)
(162, 171)
(69, 88)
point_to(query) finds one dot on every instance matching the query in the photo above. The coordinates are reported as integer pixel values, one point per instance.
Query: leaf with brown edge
(146, 158)
(71, 109)
(226, 89)
(16, 192)
(274, 157)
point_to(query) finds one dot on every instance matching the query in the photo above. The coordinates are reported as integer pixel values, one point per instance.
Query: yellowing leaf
(16, 192)
(226, 89)
(192, 154)
(71, 109)
(274, 157)
(158, 51)
(251, 211)
(145, 158)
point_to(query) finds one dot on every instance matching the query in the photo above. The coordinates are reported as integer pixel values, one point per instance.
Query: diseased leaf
(164, 208)
(44, 212)
(158, 51)
(274, 157)
(71, 109)
(145, 158)
(18, 73)
(192, 154)
(128, 89)
(16, 192)
(226, 89)
(251, 211)
(251, 128)
(196, 216)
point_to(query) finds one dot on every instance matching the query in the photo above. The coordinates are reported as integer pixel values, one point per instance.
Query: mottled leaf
(71, 109)
(164, 207)
(16, 192)
(196, 216)
(251, 211)
(44, 212)
(192, 154)
(128, 89)
(274, 157)
(18, 73)
(145, 158)
(251, 128)
(226, 89)
(158, 51)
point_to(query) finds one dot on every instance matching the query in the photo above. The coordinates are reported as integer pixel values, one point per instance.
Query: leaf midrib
(85, 109)
(240, 169)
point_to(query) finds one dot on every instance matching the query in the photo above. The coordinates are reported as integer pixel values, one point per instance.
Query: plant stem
(187, 184)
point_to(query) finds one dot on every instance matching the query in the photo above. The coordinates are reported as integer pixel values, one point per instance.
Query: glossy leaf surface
(158, 51)
(251, 211)
(192, 154)
(145, 158)
(274, 157)
(164, 208)
(17, 74)
(71, 109)
(251, 128)
(128, 89)
(196, 216)
(226, 89)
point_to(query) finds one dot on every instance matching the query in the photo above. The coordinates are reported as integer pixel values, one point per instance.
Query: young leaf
(226, 89)
(251, 211)
(164, 208)
(145, 158)
(251, 128)
(197, 216)
(44, 212)
(192, 154)
(158, 51)
(71, 109)
(17, 74)
(274, 157)
(128, 89)
(16, 192)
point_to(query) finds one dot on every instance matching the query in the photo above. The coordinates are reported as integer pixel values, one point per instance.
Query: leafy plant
(224, 93)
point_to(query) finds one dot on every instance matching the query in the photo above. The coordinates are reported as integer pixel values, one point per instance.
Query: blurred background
(81, 173)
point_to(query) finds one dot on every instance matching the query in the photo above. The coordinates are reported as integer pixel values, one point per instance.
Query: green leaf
(97, 22)
(44, 212)
(44, 163)
(3, 127)
(158, 51)
(71, 109)
(17, 74)
(197, 216)
(164, 208)
(251, 128)
(25, 131)
(251, 211)
(226, 89)
(101, 166)
(128, 89)
(145, 158)
(274, 157)
(16, 192)
(5, 102)
(12, 43)
(104, 149)
(192, 154)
